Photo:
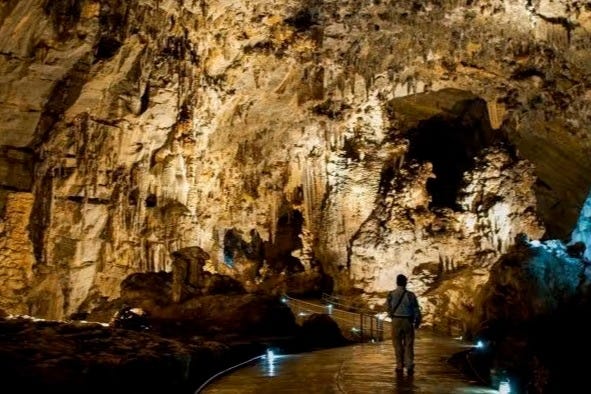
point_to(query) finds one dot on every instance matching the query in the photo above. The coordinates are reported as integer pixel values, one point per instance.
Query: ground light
(270, 362)
(504, 387)
(501, 381)
(480, 345)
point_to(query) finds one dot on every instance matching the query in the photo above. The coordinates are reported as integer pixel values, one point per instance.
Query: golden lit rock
(289, 141)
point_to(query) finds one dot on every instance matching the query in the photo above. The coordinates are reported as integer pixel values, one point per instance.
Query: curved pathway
(363, 368)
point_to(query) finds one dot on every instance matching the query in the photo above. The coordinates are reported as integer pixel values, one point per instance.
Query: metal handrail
(334, 299)
(367, 312)
(364, 324)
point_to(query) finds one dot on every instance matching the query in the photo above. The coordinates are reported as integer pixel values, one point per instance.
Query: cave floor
(361, 368)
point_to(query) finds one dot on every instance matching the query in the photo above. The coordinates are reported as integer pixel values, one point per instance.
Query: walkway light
(505, 387)
(329, 306)
(480, 345)
(270, 355)
(284, 300)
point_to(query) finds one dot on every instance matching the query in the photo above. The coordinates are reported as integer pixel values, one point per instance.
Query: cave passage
(277, 253)
(287, 239)
(234, 244)
(451, 142)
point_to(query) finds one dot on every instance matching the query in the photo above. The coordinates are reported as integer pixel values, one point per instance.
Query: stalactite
(308, 183)
(157, 85)
(273, 215)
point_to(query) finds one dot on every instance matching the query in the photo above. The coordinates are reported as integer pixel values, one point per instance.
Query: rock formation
(291, 141)
(56, 357)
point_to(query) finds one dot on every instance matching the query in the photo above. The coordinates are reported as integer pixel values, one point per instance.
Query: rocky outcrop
(532, 313)
(217, 307)
(321, 331)
(16, 256)
(57, 357)
(532, 281)
(289, 141)
(190, 279)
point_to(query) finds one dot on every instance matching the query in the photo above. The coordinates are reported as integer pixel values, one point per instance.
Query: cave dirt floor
(361, 368)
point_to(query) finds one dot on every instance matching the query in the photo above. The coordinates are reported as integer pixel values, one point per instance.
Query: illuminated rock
(287, 141)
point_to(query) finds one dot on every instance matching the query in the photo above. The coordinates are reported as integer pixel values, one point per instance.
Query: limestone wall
(144, 127)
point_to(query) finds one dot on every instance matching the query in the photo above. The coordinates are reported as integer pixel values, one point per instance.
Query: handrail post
(361, 318)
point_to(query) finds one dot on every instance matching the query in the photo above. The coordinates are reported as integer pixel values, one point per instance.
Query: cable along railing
(359, 324)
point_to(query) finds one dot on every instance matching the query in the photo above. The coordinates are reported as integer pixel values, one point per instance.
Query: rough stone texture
(532, 312)
(286, 139)
(532, 281)
(190, 279)
(217, 315)
(16, 258)
(56, 357)
(218, 306)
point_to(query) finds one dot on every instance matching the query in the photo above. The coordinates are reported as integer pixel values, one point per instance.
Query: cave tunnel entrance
(277, 253)
(235, 245)
(287, 239)
(451, 140)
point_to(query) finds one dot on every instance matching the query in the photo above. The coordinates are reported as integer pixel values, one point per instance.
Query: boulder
(320, 331)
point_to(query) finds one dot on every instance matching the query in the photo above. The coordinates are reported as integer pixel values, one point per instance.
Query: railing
(362, 325)
(343, 303)
(371, 323)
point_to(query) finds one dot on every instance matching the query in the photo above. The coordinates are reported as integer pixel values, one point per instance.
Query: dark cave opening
(234, 244)
(287, 239)
(451, 141)
(276, 253)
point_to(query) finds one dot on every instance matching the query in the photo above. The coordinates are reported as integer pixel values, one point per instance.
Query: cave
(450, 143)
(278, 253)
(203, 169)
(235, 246)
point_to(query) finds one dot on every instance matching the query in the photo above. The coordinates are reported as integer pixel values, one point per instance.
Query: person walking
(403, 309)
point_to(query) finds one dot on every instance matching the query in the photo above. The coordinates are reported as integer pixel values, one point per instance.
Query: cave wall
(140, 128)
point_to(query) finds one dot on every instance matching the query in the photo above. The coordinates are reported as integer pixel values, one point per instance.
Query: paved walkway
(363, 368)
